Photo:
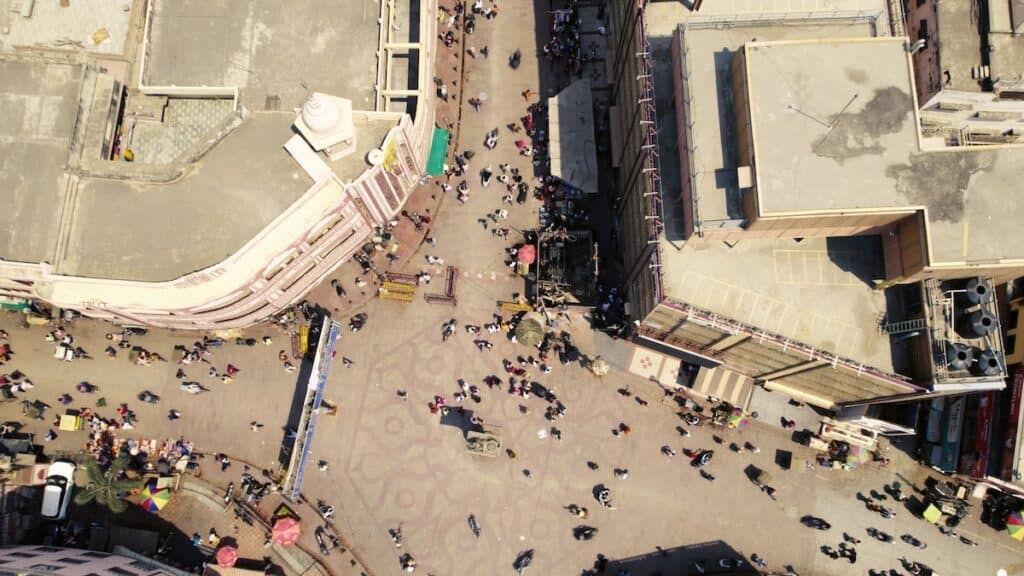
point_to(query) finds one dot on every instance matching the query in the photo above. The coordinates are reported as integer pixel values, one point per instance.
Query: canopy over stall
(573, 148)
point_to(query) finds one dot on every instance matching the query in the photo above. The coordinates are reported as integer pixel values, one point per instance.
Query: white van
(60, 480)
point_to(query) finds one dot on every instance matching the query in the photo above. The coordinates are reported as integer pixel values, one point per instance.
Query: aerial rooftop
(855, 147)
(38, 104)
(275, 52)
(817, 291)
(226, 175)
(835, 111)
(836, 137)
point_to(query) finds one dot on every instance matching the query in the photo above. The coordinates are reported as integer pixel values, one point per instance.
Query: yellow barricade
(398, 287)
(514, 306)
(400, 296)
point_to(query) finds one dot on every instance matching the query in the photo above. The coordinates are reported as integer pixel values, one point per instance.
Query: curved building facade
(312, 213)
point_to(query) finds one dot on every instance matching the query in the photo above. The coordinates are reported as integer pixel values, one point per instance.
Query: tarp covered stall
(573, 147)
(438, 152)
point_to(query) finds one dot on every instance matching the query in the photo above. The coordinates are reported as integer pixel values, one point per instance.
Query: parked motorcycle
(913, 542)
(356, 323)
(523, 561)
(192, 387)
(584, 532)
(491, 140)
(815, 522)
(149, 397)
(320, 542)
(880, 536)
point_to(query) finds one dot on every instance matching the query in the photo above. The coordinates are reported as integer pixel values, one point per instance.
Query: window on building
(92, 554)
(46, 568)
(922, 31)
(23, 555)
(73, 560)
(921, 3)
(49, 549)
(121, 571)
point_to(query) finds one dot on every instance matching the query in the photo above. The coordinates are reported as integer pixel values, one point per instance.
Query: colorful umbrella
(286, 531)
(857, 455)
(227, 556)
(738, 418)
(932, 513)
(527, 254)
(154, 499)
(1015, 525)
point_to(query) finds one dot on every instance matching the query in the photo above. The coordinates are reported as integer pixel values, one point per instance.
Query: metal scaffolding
(652, 163)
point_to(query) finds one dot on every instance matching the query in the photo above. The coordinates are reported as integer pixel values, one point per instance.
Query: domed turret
(321, 114)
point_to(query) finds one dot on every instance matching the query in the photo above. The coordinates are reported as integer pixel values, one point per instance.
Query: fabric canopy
(227, 556)
(438, 152)
(154, 499)
(573, 148)
(527, 254)
(286, 531)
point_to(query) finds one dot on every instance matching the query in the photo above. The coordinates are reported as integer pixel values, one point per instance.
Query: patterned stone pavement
(186, 126)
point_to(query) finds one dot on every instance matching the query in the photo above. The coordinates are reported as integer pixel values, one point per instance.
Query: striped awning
(725, 385)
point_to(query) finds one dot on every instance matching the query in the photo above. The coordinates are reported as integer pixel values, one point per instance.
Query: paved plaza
(392, 463)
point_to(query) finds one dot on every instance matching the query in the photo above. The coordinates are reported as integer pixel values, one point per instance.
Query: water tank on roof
(959, 356)
(977, 291)
(977, 324)
(988, 364)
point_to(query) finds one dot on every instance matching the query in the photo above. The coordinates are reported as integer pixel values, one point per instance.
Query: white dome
(320, 114)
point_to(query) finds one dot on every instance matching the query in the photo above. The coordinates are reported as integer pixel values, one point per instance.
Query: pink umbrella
(227, 556)
(286, 531)
(527, 254)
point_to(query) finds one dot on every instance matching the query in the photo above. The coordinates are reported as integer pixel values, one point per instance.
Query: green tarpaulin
(438, 152)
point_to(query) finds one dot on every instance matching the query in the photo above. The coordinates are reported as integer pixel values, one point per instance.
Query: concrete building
(966, 45)
(50, 560)
(224, 215)
(773, 175)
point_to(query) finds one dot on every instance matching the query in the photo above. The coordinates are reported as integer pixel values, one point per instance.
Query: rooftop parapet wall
(317, 233)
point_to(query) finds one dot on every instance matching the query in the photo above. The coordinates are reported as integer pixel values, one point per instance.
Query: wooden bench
(440, 299)
(451, 278)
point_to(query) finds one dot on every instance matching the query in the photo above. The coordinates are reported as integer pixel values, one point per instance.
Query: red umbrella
(286, 531)
(527, 254)
(227, 556)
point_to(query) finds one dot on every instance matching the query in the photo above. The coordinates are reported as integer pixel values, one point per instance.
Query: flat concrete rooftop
(663, 17)
(267, 48)
(833, 133)
(38, 104)
(708, 55)
(816, 291)
(75, 25)
(959, 47)
(854, 146)
(828, 118)
(146, 232)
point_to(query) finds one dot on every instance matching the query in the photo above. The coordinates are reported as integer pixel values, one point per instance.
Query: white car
(60, 480)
